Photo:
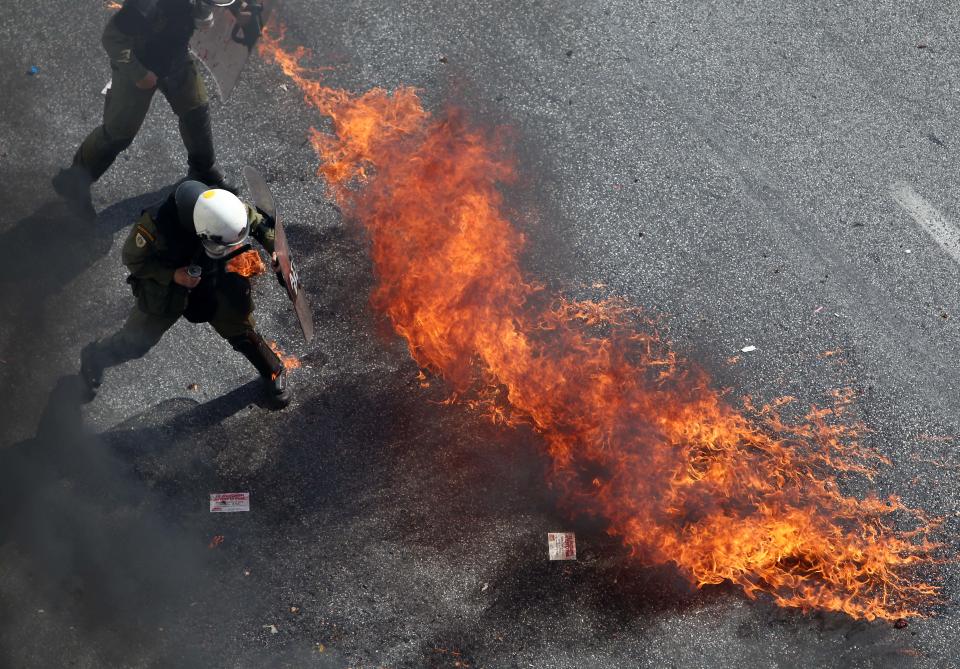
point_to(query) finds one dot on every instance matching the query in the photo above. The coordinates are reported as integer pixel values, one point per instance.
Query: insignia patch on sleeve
(142, 237)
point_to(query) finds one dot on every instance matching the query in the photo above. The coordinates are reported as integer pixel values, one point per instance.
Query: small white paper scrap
(106, 89)
(563, 545)
(229, 502)
(748, 349)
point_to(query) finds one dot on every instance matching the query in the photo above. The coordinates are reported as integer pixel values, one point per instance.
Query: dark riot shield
(225, 47)
(263, 199)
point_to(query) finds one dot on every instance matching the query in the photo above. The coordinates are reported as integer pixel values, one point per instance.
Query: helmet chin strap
(227, 256)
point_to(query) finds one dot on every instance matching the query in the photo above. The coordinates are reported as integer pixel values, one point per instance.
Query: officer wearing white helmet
(178, 254)
(219, 218)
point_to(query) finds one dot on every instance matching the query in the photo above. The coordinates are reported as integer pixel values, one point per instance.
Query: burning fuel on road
(636, 435)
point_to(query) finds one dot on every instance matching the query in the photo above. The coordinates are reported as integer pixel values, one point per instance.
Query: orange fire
(289, 361)
(248, 264)
(636, 435)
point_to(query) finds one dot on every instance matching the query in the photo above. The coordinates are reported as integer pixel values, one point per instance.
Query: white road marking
(944, 232)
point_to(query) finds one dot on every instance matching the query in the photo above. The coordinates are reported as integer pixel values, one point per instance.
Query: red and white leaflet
(563, 545)
(229, 502)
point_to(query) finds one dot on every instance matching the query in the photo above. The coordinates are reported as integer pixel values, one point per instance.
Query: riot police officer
(147, 42)
(178, 255)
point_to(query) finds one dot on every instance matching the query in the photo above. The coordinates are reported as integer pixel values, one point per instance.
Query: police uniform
(149, 36)
(159, 243)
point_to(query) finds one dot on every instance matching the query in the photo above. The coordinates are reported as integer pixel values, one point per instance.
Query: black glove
(250, 33)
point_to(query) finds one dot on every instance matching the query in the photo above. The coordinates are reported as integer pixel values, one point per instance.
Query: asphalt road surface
(781, 175)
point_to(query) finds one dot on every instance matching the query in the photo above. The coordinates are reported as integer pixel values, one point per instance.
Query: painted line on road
(944, 233)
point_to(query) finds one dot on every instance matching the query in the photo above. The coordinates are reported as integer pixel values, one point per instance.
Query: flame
(248, 264)
(636, 435)
(289, 361)
(112, 6)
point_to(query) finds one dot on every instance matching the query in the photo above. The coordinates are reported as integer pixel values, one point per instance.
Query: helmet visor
(216, 247)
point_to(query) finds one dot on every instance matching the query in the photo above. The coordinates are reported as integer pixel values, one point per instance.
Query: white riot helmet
(219, 217)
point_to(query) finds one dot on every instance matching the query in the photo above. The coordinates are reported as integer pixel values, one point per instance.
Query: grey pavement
(774, 174)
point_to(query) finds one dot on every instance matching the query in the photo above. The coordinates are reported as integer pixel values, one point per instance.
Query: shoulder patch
(142, 230)
(140, 241)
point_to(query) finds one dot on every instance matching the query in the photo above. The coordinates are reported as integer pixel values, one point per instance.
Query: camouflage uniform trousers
(231, 318)
(126, 108)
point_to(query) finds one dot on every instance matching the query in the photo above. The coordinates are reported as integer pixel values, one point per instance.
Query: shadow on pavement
(53, 245)
(84, 539)
(43, 253)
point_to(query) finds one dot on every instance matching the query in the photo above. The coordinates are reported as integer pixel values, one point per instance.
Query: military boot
(201, 156)
(253, 347)
(277, 389)
(73, 185)
(213, 177)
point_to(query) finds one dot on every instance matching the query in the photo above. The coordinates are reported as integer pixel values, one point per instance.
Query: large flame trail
(635, 435)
